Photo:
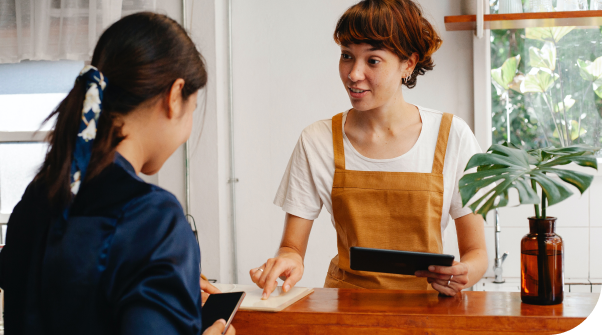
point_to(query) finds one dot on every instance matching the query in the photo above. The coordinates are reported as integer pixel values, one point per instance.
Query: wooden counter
(348, 311)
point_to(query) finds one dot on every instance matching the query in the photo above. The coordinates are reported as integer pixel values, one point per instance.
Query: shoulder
(459, 128)
(317, 136)
(155, 207)
(119, 194)
(155, 202)
(318, 130)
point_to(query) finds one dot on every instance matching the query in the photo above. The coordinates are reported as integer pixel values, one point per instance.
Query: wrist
(289, 252)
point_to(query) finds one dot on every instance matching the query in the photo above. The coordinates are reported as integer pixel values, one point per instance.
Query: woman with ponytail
(91, 248)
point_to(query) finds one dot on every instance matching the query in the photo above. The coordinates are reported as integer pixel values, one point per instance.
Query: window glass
(547, 86)
(29, 92)
(26, 112)
(19, 163)
(31, 77)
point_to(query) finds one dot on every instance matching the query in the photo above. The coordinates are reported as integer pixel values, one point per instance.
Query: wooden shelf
(525, 20)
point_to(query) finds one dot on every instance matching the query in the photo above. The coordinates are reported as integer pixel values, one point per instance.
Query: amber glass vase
(542, 263)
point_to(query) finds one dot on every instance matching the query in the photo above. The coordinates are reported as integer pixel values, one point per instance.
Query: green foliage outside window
(547, 86)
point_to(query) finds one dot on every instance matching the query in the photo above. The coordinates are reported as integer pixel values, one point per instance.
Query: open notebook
(277, 301)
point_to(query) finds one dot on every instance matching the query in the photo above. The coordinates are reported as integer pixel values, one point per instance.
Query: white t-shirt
(307, 181)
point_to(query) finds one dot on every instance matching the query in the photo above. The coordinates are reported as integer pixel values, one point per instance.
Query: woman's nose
(356, 74)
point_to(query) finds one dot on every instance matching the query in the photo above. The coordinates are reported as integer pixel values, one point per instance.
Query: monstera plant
(506, 167)
(539, 180)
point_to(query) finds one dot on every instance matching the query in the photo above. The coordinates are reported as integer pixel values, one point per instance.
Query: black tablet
(221, 306)
(395, 261)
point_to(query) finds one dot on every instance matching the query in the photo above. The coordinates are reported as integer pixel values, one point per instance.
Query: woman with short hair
(386, 170)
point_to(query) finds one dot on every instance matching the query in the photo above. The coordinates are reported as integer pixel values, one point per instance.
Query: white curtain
(58, 29)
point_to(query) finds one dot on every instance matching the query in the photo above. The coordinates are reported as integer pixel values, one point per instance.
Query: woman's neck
(133, 152)
(397, 114)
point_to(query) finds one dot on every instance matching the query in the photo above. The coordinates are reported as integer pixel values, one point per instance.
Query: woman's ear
(411, 62)
(175, 102)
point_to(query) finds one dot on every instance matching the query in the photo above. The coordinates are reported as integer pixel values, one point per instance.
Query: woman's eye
(373, 61)
(345, 56)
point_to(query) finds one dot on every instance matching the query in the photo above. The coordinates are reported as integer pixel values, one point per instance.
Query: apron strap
(337, 140)
(441, 148)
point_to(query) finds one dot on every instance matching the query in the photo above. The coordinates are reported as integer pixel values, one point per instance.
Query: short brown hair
(395, 25)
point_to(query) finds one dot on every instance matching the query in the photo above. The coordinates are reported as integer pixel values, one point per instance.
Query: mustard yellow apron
(385, 210)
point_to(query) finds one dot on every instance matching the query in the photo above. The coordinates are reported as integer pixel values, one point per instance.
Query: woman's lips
(357, 92)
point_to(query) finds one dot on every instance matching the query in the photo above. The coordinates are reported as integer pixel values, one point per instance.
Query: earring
(407, 78)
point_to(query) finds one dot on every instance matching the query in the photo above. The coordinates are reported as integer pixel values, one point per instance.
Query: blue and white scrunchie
(95, 83)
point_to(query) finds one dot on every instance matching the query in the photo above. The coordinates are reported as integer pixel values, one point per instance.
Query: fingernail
(222, 321)
(264, 296)
(286, 287)
(431, 268)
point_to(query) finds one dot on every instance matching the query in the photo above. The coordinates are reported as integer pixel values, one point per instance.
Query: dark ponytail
(141, 56)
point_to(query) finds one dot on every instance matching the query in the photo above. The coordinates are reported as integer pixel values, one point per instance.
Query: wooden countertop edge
(413, 321)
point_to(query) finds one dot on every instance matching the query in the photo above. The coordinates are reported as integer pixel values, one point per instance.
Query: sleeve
(154, 269)
(468, 146)
(298, 194)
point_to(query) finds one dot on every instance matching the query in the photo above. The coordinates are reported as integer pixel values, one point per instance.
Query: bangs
(372, 23)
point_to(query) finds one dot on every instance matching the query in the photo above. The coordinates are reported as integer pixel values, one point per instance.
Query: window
(547, 84)
(29, 91)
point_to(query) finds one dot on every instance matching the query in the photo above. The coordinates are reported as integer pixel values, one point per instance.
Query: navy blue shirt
(125, 262)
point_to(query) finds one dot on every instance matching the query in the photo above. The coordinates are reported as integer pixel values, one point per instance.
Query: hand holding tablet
(395, 261)
(442, 272)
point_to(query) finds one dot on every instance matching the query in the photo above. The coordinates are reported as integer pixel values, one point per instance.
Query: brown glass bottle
(542, 263)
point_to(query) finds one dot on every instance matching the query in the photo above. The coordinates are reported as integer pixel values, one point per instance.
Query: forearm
(295, 237)
(471, 242)
(476, 260)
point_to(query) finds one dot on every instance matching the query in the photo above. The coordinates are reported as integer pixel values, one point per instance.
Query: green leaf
(576, 131)
(598, 87)
(590, 71)
(568, 103)
(504, 167)
(538, 80)
(544, 57)
(505, 74)
(578, 179)
(555, 191)
(526, 194)
(516, 82)
(575, 150)
(502, 155)
(551, 34)
(585, 161)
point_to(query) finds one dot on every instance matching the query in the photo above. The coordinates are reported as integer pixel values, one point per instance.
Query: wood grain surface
(349, 312)
(524, 20)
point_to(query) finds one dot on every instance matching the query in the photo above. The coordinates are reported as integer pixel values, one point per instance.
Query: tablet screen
(395, 261)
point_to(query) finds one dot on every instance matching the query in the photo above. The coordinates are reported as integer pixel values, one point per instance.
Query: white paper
(277, 301)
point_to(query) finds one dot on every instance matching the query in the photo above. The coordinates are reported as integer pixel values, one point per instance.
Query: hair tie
(95, 85)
